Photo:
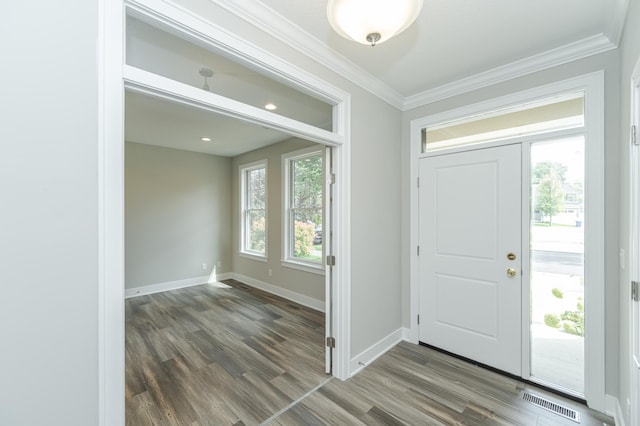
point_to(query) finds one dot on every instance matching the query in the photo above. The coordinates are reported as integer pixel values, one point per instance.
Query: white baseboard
(407, 335)
(158, 288)
(189, 282)
(366, 357)
(310, 302)
(614, 410)
(224, 276)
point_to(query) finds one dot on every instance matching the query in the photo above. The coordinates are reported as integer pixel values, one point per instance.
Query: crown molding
(558, 56)
(266, 19)
(615, 24)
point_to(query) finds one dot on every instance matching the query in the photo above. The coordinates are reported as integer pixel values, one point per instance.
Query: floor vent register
(558, 409)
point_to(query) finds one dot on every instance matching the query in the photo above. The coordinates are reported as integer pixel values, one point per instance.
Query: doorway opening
(119, 75)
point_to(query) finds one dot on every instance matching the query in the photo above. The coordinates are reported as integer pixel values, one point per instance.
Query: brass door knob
(511, 272)
(511, 256)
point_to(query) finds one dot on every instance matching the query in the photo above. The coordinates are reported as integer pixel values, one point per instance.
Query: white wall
(301, 282)
(49, 214)
(609, 63)
(630, 53)
(177, 214)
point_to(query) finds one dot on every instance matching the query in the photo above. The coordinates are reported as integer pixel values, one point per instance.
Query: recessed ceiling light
(270, 106)
(205, 139)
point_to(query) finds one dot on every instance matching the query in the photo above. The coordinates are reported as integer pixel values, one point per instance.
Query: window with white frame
(253, 196)
(303, 189)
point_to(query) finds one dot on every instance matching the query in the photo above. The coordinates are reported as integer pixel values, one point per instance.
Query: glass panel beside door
(557, 264)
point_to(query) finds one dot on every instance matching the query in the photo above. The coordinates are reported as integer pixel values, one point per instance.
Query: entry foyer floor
(228, 354)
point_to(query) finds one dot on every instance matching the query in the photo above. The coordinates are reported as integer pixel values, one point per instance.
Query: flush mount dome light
(372, 21)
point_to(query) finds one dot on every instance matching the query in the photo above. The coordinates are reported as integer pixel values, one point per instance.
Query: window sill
(319, 270)
(253, 257)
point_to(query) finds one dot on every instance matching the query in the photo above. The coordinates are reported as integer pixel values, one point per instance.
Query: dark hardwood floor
(238, 356)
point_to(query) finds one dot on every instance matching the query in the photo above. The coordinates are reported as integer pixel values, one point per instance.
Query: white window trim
(287, 260)
(243, 169)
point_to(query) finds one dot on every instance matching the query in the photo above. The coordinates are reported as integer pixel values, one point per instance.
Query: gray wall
(305, 283)
(177, 214)
(630, 53)
(49, 214)
(609, 63)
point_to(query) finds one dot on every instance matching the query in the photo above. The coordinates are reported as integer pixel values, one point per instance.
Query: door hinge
(634, 139)
(332, 178)
(418, 250)
(331, 260)
(418, 319)
(331, 342)
(635, 291)
(418, 182)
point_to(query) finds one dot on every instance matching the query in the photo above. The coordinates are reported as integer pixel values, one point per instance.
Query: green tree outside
(550, 197)
(547, 168)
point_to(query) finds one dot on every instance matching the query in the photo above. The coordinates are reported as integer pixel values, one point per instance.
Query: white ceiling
(154, 121)
(453, 46)
(456, 39)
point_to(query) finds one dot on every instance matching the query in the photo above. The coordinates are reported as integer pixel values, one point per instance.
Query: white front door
(470, 255)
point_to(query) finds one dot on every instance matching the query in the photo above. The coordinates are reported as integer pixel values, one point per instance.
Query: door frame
(634, 246)
(593, 86)
(113, 76)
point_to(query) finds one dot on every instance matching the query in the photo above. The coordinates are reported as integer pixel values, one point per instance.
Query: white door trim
(111, 365)
(111, 180)
(634, 243)
(593, 86)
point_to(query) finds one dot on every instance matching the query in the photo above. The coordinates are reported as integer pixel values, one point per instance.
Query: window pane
(557, 263)
(557, 113)
(307, 234)
(307, 182)
(305, 208)
(256, 189)
(256, 227)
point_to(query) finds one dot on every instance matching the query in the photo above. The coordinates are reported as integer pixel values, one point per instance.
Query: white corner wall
(177, 215)
(49, 214)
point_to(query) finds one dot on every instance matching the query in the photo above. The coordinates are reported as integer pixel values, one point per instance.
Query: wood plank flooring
(218, 356)
(414, 385)
(239, 356)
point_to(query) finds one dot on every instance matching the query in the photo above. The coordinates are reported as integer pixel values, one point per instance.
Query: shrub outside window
(304, 207)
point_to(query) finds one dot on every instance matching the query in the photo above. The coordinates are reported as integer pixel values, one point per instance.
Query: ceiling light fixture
(206, 73)
(205, 139)
(372, 21)
(270, 106)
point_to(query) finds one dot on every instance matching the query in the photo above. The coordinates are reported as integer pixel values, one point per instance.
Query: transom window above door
(550, 114)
